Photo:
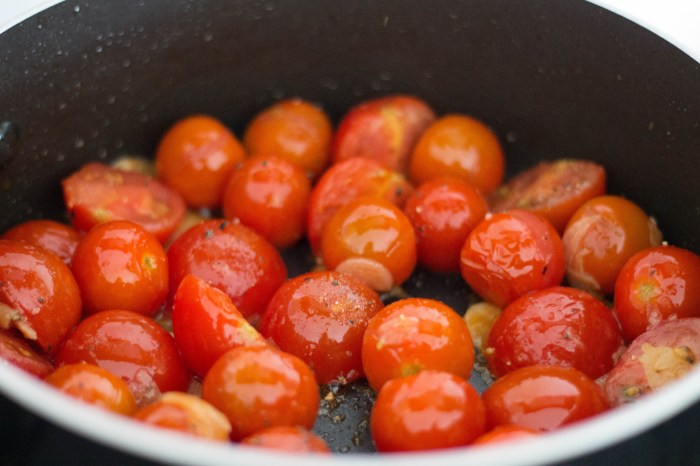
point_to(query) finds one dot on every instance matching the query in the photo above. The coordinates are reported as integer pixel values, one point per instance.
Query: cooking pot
(88, 80)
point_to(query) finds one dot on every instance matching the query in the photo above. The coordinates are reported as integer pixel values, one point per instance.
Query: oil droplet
(78, 143)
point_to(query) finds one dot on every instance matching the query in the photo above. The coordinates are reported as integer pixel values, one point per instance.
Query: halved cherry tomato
(506, 433)
(196, 157)
(555, 326)
(383, 129)
(600, 237)
(657, 284)
(38, 294)
(260, 387)
(426, 411)
(542, 398)
(94, 385)
(461, 147)
(97, 193)
(293, 129)
(18, 352)
(270, 195)
(552, 189)
(412, 335)
(287, 438)
(206, 324)
(321, 317)
(56, 237)
(345, 182)
(443, 212)
(511, 253)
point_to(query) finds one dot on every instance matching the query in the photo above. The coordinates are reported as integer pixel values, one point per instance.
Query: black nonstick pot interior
(88, 80)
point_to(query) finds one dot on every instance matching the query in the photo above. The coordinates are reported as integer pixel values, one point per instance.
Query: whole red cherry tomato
(231, 257)
(426, 411)
(657, 284)
(412, 335)
(383, 129)
(542, 398)
(288, 438)
(196, 157)
(58, 238)
(321, 317)
(506, 433)
(511, 253)
(18, 352)
(443, 212)
(38, 294)
(97, 193)
(555, 326)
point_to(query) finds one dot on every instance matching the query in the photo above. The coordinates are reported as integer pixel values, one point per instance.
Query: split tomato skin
(18, 352)
(55, 237)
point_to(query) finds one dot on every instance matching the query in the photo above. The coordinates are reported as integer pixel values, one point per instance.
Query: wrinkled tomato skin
(129, 345)
(321, 317)
(543, 398)
(288, 438)
(426, 411)
(555, 326)
(657, 284)
(506, 433)
(511, 253)
(55, 237)
(38, 294)
(231, 257)
(443, 212)
(17, 351)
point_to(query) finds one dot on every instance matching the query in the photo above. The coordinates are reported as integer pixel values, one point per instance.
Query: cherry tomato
(18, 352)
(443, 212)
(270, 195)
(293, 129)
(511, 253)
(206, 324)
(94, 385)
(38, 294)
(260, 387)
(412, 335)
(345, 182)
(129, 345)
(542, 398)
(320, 317)
(461, 147)
(383, 129)
(600, 237)
(287, 438)
(657, 284)
(506, 433)
(119, 265)
(231, 257)
(56, 237)
(555, 326)
(196, 157)
(186, 413)
(426, 411)
(97, 193)
(552, 189)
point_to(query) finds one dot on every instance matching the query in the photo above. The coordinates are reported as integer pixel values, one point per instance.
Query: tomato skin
(443, 212)
(17, 351)
(259, 387)
(128, 345)
(600, 237)
(295, 130)
(462, 147)
(196, 157)
(346, 181)
(656, 284)
(505, 433)
(412, 335)
(97, 193)
(383, 129)
(95, 386)
(542, 398)
(321, 317)
(231, 257)
(511, 253)
(269, 194)
(287, 438)
(426, 411)
(552, 189)
(119, 265)
(206, 324)
(56, 237)
(38, 294)
(555, 326)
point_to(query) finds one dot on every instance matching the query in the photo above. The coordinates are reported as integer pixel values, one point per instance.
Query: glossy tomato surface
(287, 438)
(56, 237)
(506, 433)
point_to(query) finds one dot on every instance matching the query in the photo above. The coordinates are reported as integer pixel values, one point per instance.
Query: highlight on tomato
(56, 237)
